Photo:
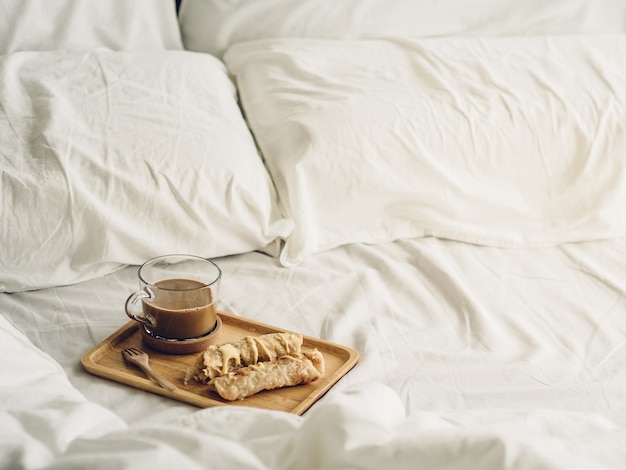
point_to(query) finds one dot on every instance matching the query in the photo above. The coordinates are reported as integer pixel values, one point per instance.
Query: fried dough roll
(220, 359)
(286, 371)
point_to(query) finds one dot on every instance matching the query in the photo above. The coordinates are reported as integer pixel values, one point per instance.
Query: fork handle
(162, 381)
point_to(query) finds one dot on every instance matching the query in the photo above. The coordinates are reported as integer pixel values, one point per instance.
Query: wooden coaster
(182, 346)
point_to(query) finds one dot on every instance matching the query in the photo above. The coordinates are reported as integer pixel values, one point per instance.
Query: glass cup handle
(135, 311)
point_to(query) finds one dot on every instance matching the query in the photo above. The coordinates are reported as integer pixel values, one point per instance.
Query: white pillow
(214, 25)
(501, 141)
(110, 158)
(43, 25)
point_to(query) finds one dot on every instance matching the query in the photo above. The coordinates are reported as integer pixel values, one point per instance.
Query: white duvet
(47, 423)
(471, 357)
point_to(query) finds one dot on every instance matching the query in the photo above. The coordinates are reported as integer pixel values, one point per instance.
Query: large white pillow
(110, 158)
(214, 25)
(501, 141)
(44, 25)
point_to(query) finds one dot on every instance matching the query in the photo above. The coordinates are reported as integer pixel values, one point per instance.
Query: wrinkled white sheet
(471, 357)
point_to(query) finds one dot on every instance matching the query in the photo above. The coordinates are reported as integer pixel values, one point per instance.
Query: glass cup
(178, 297)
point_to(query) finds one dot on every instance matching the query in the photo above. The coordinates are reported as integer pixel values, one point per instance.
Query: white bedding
(40, 25)
(496, 358)
(111, 158)
(313, 148)
(213, 25)
(494, 141)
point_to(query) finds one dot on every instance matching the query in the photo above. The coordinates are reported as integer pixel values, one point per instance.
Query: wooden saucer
(182, 346)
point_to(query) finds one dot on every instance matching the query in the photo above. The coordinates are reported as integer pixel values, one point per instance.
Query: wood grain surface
(105, 360)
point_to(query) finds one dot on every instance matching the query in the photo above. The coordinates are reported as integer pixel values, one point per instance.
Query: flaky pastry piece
(220, 359)
(286, 371)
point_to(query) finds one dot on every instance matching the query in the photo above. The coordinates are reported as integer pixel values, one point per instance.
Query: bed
(440, 187)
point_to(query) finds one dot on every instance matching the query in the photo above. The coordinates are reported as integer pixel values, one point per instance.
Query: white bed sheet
(469, 356)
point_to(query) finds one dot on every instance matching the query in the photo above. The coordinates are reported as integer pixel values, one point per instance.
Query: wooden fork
(141, 360)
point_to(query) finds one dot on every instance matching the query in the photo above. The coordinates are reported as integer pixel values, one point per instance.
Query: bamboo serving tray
(105, 360)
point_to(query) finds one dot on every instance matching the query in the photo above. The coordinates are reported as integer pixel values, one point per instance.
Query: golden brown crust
(286, 371)
(224, 358)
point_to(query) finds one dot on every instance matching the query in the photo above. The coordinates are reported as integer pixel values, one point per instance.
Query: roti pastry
(221, 359)
(286, 371)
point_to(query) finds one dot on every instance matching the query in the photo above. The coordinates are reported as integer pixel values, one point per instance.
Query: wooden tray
(105, 360)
